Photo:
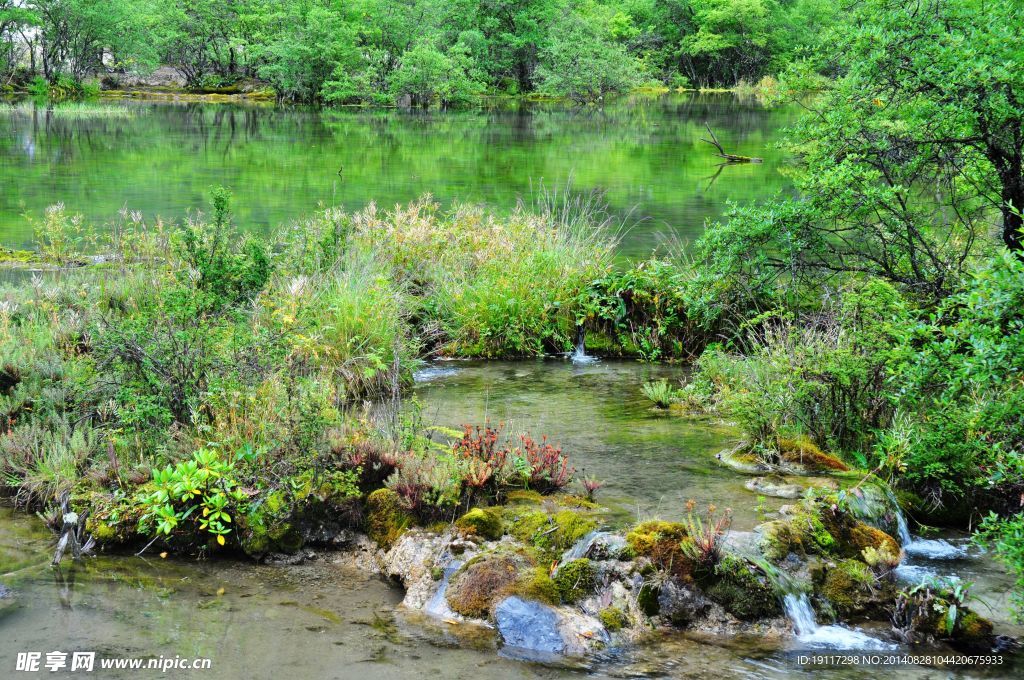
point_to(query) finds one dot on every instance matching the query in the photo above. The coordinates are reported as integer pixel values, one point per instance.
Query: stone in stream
(776, 487)
(538, 629)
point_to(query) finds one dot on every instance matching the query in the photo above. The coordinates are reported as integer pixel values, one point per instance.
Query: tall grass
(71, 110)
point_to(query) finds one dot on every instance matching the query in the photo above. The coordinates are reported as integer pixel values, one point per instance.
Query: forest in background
(417, 51)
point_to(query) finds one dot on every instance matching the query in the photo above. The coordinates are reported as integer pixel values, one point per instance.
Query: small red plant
(705, 534)
(591, 485)
(549, 468)
(485, 458)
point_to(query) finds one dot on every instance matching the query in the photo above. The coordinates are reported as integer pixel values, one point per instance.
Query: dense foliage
(415, 51)
(879, 314)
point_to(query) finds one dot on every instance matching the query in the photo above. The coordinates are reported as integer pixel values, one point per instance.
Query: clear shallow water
(651, 462)
(645, 151)
(323, 619)
(319, 620)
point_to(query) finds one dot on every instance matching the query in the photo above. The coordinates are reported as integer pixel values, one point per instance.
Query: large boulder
(536, 630)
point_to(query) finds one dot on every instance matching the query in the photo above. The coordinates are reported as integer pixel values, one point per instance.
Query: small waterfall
(798, 610)
(930, 549)
(797, 606)
(437, 605)
(580, 356)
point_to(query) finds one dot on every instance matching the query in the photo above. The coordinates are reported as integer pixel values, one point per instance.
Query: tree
(733, 39)
(939, 83)
(581, 62)
(202, 37)
(426, 74)
(906, 159)
(77, 37)
(517, 31)
(313, 41)
(13, 20)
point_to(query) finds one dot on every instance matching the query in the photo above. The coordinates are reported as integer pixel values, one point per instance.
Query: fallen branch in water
(72, 534)
(729, 157)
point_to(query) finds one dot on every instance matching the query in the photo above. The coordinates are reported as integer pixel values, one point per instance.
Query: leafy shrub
(228, 268)
(824, 375)
(201, 492)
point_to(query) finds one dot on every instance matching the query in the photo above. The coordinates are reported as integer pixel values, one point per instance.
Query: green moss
(862, 536)
(575, 580)
(970, 626)
(550, 535)
(807, 453)
(267, 526)
(661, 542)
(18, 257)
(524, 497)
(741, 589)
(536, 584)
(613, 619)
(483, 522)
(645, 538)
(386, 519)
(572, 501)
(647, 598)
(482, 582)
(848, 587)
(112, 520)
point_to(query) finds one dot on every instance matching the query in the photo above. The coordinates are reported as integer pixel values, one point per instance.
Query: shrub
(228, 268)
(201, 492)
(660, 393)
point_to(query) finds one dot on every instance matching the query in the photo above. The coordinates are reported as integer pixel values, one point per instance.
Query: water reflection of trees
(282, 161)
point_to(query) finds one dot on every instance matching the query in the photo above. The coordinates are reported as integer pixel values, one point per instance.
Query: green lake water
(161, 159)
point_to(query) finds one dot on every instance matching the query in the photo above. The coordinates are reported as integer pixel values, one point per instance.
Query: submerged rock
(536, 629)
(6, 599)
(776, 487)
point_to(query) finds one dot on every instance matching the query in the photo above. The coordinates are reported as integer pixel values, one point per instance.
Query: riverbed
(327, 619)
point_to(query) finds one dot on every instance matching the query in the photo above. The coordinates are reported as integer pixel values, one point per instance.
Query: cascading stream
(913, 546)
(580, 356)
(797, 606)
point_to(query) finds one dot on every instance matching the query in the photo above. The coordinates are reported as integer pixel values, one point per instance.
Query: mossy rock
(647, 598)
(862, 536)
(741, 589)
(536, 584)
(268, 527)
(821, 527)
(573, 501)
(111, 520)
(524, 497)
(662, 542)
(549, 534)
(575, 580)
(386, 518)
(778, 539)
(483, 522)
(613, 619)
(481, 583)
(972, 627)
(849, 587)
(806, 453)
